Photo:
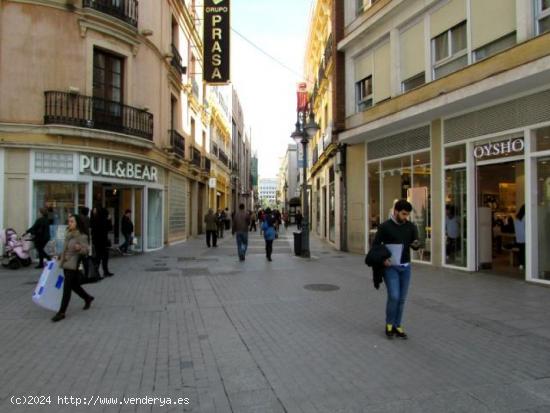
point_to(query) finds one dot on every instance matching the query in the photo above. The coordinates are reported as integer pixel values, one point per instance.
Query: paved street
(191, 322)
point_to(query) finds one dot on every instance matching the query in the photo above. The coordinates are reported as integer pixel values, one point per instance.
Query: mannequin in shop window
(519, 226)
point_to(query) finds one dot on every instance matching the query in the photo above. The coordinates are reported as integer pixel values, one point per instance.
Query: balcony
(125, 10)
(177, 143)
(223, 158)
(177, 61)
(196, 157)
(94, 113)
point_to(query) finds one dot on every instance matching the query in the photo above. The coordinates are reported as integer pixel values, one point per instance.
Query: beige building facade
(103, 103)
(447, 106)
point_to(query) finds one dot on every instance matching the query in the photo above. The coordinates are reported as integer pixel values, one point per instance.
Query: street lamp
(302, 134)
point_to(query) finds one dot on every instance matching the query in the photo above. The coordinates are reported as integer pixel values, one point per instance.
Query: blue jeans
(242, 243)
(397, 279)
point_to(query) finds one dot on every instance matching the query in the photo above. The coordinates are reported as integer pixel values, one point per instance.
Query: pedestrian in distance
(252, 221)
(399, 236)
(268, 228)
(298, 218)
(75, 247)
(241, 222)
(100, 227)
(227, 218)
(220, 222)
(41, 235)
(211, 221)
(127, 229)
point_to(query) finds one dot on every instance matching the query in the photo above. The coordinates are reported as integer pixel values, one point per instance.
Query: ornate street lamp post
(303, 133)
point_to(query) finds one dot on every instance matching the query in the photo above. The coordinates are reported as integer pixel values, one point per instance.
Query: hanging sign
(113, 168)
(499, 149)
(216, 41)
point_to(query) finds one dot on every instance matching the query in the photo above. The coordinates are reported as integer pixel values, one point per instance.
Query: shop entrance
(117, 199)
(500, 232)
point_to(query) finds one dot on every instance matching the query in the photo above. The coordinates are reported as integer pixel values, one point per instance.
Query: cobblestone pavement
(191, 322)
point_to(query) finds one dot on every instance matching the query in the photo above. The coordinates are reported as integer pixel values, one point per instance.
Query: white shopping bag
(49, 290)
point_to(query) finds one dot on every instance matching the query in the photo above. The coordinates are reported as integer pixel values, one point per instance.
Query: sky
(267, 90)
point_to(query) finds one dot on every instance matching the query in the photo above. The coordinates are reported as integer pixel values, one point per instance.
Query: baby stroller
(16, 249)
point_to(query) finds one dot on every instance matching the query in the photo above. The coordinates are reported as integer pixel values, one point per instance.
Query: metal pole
(305, 213)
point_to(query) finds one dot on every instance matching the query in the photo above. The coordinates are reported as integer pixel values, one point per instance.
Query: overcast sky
(266, 89)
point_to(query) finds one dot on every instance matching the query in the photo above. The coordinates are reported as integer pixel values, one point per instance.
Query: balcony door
(107, 83)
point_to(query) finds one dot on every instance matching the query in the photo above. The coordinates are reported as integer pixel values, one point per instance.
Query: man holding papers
(398, 235)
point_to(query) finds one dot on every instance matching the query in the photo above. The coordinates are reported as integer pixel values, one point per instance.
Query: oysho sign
(216, 41)
(113, 168)
(498, 149)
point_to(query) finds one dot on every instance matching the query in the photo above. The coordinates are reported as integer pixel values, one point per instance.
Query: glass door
(456, 241)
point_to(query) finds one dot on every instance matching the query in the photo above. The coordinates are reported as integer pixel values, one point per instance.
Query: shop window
(61, 199)
(413, 82)
(419, 196)
(374, 199)
(544, 16)
(396, 181)
(455, 154)
(542, 139)
(449, 51)
(154, 219)
(455, 217)
(542, 218)
(363, 91)
(495, 47)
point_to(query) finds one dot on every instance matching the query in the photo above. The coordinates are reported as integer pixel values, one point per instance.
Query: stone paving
(191, 322)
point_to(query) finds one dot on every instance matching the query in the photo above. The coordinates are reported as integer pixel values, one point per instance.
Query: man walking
(220, 222)
(211, 222)
(398, 235)
(127, 229)
(241, 222)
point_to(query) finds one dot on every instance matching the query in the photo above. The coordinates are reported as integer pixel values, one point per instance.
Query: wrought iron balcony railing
(196, 157)
(177, 61)
(94, 113)
(177, 142)
(125, 10)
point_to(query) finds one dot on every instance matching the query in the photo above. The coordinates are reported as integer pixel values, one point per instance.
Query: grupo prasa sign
(216, 41)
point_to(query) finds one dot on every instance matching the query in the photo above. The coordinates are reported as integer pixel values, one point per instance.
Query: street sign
(216, 41)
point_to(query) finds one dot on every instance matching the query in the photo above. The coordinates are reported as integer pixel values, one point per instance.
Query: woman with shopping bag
(76, 245)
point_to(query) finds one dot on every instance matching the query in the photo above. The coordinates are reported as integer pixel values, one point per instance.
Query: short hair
(403, 205)
(128, 211)
(241, 206)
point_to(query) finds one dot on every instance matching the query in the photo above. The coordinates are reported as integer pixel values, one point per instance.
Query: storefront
(493, 192)
(65, 182)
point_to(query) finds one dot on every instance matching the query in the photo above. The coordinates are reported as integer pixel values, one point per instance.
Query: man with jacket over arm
(398, 235)
(241, 222)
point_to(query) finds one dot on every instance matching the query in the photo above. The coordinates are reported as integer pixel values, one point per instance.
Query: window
(413, 82)
(363, 5)
(449, 51)
(544, 16)
(494, 47)
(363, 90)
(107, 89)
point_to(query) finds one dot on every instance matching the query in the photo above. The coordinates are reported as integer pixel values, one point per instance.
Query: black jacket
(40, 231)
(375, 259)
(126, 227)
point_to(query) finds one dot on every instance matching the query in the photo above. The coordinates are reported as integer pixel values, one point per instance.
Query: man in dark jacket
(100, 227)
(41, 235)
(241, 222)
(211, 221)
(127, 229)
(398, 235)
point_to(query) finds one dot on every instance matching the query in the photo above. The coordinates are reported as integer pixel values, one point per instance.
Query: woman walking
(268, 228)
(76, 245)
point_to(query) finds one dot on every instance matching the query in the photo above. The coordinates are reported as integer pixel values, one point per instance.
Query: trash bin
(297, 243)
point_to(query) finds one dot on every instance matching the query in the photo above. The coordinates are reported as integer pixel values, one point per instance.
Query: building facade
(324, 71)
(241, 155)
(106, 105)
(288, 187)
(447, 105)
(268, 192)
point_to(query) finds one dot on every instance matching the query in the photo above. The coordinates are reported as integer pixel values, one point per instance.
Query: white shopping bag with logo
(49, 290)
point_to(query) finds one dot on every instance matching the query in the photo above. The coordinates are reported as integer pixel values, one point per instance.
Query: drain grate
(321, 287)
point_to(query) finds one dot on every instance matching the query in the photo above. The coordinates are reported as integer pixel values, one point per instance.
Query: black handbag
(91, 271)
